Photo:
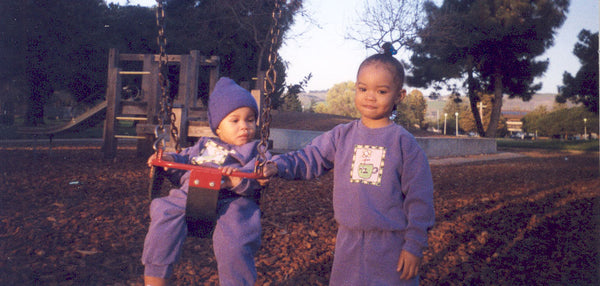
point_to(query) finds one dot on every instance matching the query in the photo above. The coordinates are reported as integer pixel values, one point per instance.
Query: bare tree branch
(394, 21)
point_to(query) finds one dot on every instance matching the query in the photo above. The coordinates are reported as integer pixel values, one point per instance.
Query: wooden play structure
(146, 109)
(189, 113)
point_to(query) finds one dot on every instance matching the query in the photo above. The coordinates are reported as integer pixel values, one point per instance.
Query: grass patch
(578, 145)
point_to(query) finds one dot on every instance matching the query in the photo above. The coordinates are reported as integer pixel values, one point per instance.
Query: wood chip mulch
(68, 217)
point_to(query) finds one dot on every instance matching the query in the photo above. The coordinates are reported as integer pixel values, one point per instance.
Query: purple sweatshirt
(382, 180)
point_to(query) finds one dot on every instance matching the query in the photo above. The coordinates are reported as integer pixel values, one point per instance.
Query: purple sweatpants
(367, 258)
(236, 238)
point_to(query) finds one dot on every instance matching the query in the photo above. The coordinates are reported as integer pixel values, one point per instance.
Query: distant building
(513, 120)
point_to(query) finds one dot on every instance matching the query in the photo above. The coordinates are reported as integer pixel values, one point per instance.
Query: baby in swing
(232, 116)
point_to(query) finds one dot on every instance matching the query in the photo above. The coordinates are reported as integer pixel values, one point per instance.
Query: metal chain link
(166, 109)
(166, 115)
(269, 84)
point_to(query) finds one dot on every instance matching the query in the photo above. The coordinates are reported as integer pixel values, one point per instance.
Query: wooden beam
(113, 98)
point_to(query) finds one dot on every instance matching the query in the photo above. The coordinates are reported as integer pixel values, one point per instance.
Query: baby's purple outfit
(236, 237)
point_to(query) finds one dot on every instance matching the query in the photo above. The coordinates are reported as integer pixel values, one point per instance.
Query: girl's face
(238, 127)
(376, 94)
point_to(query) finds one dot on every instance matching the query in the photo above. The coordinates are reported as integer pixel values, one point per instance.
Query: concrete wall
(287, 140)
(458, 146)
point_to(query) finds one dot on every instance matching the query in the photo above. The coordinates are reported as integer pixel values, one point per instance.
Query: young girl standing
(383, 189)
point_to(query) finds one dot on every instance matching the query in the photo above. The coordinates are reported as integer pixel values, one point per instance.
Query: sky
(323, 50)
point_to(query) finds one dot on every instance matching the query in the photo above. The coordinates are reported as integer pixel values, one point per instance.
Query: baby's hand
(227, 170)
(263, 182)
(229, 181)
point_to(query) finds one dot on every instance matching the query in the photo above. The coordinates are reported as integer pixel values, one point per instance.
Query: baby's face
(238, 127)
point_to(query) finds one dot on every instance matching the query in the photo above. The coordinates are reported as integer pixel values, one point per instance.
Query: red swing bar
(203, 192)
(212, 177)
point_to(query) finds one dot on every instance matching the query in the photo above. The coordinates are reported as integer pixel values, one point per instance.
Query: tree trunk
(496, 107)
(40, 90)
(473, 99)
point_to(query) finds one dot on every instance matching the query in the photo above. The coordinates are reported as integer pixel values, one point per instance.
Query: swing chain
(166, 114)
(269, 85)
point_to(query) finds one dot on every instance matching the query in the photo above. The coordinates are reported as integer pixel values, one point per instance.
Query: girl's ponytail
(386, 56)
(387, 49)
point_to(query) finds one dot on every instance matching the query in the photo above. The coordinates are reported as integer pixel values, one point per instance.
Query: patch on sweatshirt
(367, 164)
(212, 153)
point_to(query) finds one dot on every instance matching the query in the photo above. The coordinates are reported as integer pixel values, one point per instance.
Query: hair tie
(388, 49)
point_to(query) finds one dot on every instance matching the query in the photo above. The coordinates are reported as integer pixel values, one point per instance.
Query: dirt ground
(68, 217)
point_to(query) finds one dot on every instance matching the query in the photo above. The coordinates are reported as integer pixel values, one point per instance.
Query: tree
(251, 19)
(132, 29)
(492, 46)
(561, 122)
(532, 120)
(467, 120)
(411, 111)
(340, 100)
(62, 44)
(235, 30)
(451, 108)
(394, 21)
(290, 98)
(51, 45)
(583, 87)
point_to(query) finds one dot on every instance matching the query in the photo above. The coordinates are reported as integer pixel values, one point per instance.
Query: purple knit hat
(226, 97)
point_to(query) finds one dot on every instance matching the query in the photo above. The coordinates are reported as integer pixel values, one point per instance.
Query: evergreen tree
(583, 87)
(63, 44)
(290, 98)
(52, 45)
(491, 45)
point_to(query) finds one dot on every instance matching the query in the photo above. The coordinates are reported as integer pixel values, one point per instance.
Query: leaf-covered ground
(68, 217)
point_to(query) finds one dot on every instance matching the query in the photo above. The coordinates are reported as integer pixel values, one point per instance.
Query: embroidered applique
(367, 164)
(212, 153)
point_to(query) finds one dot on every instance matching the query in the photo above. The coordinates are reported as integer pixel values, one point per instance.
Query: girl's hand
(408, 265)
(269, 169)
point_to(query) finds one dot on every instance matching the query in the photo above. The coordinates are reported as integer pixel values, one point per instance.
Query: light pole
(481, 106)
(585, 128)
(456, 115)
(437, 120)
(445, 119)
